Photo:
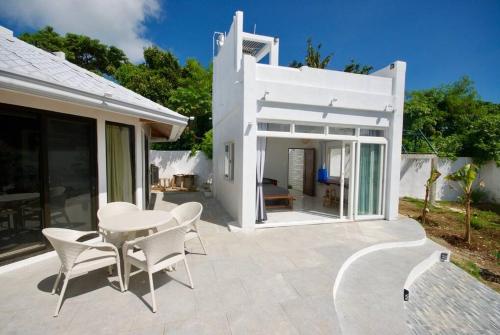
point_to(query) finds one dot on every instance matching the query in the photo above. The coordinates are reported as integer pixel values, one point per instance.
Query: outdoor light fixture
(443, 257)
(406, 295)
(332, 101)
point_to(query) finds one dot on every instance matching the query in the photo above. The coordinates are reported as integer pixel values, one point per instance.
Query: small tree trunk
(426, 200)
(467, 236)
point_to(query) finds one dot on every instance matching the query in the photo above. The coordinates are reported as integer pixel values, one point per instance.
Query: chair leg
(202, 244)
(189, 273)
(152, 291)
(61, 296)
(127, 267)
(58, 279)
(119, 271)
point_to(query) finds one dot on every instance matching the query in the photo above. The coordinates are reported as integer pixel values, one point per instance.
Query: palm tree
(465, 177)
(313, 57)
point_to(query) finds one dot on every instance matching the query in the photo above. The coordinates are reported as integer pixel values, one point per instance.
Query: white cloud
(115, 22)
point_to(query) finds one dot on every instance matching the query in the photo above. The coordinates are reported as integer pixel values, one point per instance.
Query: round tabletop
(135, 221)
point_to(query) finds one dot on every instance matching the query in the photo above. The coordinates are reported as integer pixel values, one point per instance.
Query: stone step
(370, 294)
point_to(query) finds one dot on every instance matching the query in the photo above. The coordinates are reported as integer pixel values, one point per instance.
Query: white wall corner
(397, 72)
(249, 153)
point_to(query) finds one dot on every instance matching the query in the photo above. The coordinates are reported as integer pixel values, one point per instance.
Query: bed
(275, 196)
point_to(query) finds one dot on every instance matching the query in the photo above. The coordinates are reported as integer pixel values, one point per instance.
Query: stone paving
(271, 281)
(447, 300)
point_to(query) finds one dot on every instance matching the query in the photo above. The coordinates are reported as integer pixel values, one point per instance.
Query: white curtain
(260, 205)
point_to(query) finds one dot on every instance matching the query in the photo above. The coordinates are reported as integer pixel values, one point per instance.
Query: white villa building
(70, 141)
(275, 127)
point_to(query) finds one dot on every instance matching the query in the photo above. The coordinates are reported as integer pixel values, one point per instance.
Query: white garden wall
(181, 162)
(415, 169)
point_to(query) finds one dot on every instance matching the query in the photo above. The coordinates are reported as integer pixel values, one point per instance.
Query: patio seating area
(271, 281)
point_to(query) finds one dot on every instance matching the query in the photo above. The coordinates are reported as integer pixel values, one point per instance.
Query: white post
(249, 154)
(397, 72)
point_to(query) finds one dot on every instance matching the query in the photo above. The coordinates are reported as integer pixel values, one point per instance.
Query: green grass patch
(469, 267)
(417, 202)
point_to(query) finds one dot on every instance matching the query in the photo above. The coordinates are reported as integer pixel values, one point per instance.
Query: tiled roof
(25, 60)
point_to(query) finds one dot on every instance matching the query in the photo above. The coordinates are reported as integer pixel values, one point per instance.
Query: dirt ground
(445, 225)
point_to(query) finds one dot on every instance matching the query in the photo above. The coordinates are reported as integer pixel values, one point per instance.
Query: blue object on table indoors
(322, 175)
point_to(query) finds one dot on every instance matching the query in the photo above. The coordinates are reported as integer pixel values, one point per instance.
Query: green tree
(465, 177)
(455, 121)
(81, 50)
(354, 67)
(313, 57)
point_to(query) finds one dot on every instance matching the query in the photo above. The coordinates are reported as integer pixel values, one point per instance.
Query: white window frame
(229, 161)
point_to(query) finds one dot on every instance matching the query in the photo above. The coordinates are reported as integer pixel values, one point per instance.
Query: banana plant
(464, 178)
(435, 174)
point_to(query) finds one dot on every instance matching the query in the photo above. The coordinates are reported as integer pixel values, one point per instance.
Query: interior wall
(296, 169)
(276, 165)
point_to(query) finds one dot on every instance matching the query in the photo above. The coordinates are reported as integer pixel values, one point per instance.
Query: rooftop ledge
(327, 79)
(327, 88)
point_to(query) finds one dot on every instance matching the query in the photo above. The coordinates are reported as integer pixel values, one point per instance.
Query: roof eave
(29, 85)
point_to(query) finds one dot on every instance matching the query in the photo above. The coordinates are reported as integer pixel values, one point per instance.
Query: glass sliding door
(347, 191)
(120, 162)
(371, 171)
(20, 183)
(71, 172)
(48, 177)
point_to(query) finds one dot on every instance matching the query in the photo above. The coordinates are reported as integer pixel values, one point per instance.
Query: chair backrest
(187, 213)
(165, 243)
(115, 208)
(65, 245)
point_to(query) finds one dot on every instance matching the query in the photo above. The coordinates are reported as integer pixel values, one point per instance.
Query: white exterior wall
(101, 117)
(490, 175)
(227, 120)
(182, 162)
(246, 92)
(416, 168)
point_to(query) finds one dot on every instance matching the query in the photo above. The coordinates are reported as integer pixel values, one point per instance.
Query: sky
(441, 40)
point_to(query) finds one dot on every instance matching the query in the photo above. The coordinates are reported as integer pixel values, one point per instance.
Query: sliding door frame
(43, 164)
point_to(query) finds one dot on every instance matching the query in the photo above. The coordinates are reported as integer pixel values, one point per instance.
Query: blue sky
(441, 40)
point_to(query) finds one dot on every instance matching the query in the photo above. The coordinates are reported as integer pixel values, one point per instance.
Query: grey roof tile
(20, 58)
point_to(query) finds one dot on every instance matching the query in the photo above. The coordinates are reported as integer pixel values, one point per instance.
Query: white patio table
(136, 221)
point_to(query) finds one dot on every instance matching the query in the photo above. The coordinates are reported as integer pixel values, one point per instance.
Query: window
(335, 162)
(371, 132)
(229, 161)
(300, 128)
(341, 131)
(280, 127)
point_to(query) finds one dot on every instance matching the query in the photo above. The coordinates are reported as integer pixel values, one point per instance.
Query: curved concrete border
(423, 266)
(368, 250)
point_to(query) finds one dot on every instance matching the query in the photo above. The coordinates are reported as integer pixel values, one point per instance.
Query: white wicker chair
(112, 209)
(156, 252)
(78, 258)
(188, 215)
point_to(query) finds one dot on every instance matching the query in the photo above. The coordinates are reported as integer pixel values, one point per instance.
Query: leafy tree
(313, 57)
(465, 177)
(454, 120)
(354, 67)
(206, 145)
(81, 50)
